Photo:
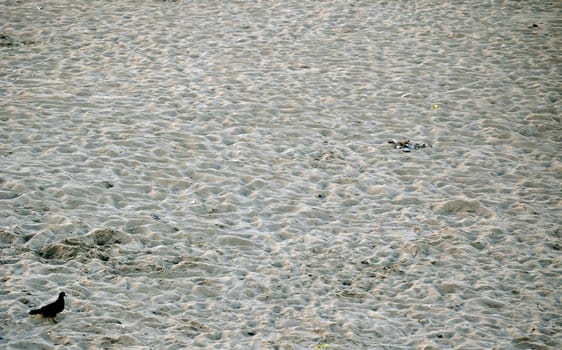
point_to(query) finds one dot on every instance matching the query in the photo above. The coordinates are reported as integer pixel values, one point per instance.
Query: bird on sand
(52, 309)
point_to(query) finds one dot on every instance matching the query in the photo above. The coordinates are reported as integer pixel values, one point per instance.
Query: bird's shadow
(41, 318)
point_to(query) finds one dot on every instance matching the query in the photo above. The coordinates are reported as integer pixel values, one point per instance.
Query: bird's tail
(33, 312)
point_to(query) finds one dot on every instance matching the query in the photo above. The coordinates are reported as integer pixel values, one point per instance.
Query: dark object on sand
(407, 145)
(52, 309)
(7, 41)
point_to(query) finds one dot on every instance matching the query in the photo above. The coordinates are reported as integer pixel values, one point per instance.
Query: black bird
(52, 309)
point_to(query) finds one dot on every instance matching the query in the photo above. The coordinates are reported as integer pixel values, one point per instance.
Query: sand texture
(217, 174)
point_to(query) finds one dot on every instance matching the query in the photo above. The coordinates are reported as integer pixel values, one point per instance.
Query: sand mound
(86, 247)
(462, 207)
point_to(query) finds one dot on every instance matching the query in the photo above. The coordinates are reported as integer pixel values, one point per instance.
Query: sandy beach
(218, 175)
